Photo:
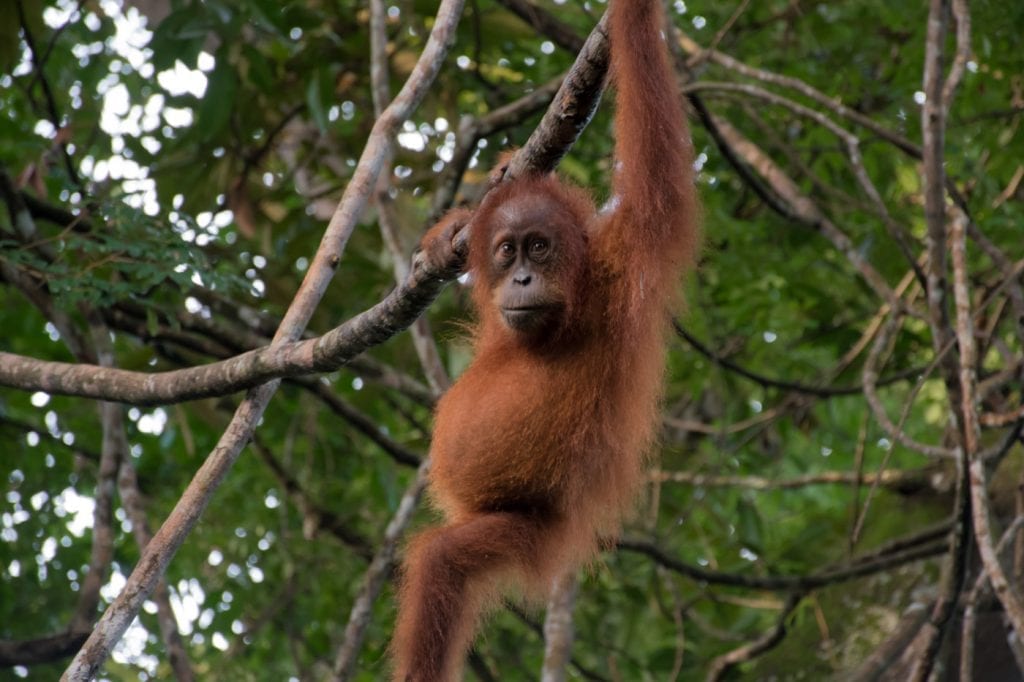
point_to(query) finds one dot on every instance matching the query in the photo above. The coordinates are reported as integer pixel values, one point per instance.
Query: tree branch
(558, 629)
(784, 583)
(295, 358)
(196, 497)
(42, 649)
(901, 481)
(375, 577)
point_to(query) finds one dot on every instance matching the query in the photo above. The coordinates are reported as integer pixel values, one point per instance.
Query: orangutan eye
(506, 250)
(538, 248)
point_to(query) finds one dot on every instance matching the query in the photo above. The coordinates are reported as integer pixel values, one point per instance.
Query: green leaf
(749, 525)
(9, 31)
(180, 36)
(315, 100)
(219, 101)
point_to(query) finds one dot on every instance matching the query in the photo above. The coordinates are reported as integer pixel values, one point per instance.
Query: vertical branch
(933, 125)
(103, 517)
(131, 500)
(422, 337)
(967, 630)
(962, 16)
(103, 520)
(558, 628)
(378, 572)
(974, 597)
(199, 492)
(972, 431)
(1018, 544)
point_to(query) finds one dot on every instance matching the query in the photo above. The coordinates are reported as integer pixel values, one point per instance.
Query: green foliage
(194, 249)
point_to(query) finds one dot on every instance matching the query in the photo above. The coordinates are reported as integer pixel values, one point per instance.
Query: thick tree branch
(41, 650)
(573, 107)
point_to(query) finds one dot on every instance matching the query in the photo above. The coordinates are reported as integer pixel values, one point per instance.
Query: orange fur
(540, 446)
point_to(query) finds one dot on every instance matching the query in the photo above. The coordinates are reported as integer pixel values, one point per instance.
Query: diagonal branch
(692, 48)
(42, 649)
(373, 580)
(197, 496)
(574, 106)
(721, 665)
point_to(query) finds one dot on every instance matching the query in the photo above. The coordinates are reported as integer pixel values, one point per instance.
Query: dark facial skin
(527, 278)
(524, 269)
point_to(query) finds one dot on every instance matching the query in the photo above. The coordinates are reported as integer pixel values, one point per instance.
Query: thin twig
(822, 390)
(692, 48)
(699, 58)
(870, 378)
(903, 481)
(770, 639)
(962, 15)
(832, 576)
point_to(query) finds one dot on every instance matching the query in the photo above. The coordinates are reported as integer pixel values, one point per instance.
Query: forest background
(839, 483)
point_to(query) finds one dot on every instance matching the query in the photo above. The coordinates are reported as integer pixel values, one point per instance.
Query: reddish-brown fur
(539, 447)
